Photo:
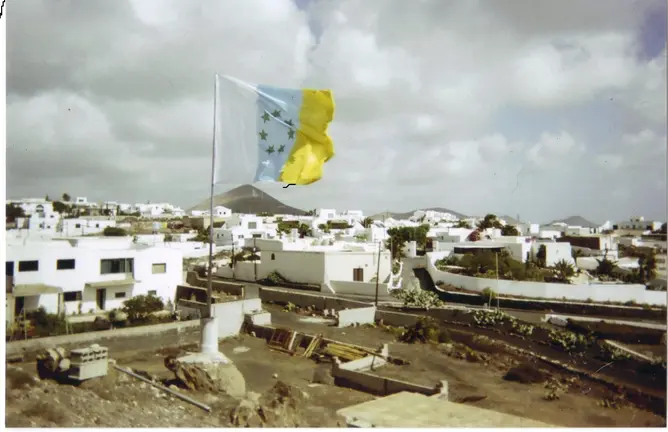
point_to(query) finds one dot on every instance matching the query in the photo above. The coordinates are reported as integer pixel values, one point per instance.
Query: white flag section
(270, 134)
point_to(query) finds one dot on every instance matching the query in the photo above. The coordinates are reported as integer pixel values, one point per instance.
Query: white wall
(360, 288)
(340, 265)
(87, 270)
(598, 292)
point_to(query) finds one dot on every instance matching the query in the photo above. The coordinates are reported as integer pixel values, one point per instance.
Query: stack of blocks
(87, 363)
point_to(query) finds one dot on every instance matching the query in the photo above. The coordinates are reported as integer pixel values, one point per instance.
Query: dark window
(77, 226)
(9, 268)
(153, 293)
(119, 295)
(26, 266)
(65, 264)
(257, 235)
(72, 296)
(114, 266)
(273, 257)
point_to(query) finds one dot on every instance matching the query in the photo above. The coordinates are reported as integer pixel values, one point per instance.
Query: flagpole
(209, 285)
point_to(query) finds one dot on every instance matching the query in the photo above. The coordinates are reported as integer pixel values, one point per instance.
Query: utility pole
(496, 255)
(378, 273)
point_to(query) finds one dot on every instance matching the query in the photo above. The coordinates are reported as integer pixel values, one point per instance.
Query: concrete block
(366, 363)
(259, 318)
(252, 305)
(357, 316)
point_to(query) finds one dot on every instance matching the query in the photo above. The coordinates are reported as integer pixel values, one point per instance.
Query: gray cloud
(113, 100)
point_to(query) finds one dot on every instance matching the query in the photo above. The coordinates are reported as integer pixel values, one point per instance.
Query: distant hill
(509, 219)
(576, 221)
(386, 215)
(249, 199)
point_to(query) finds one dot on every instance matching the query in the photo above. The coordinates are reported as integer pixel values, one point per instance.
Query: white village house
(88, 274)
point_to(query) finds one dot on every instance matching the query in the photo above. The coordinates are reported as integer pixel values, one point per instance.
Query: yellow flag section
(313, 146)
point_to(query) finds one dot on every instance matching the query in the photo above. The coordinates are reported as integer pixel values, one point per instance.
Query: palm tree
(367, 222)
(564, 271)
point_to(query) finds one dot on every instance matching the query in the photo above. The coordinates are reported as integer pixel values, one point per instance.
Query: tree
(647, 267)
(304, 231)
(474, 236)
(509, 230)
(463, 224)
(12, 212)
(606, 267)
(541, 256)
(324, 228)
(367, 222)
(140, 307)
(564, 271)
(66, 197)
(60, 207)
(489, 221)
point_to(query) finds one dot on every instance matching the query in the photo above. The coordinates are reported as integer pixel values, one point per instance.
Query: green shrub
(46, 324)
(139, 308)
(114, 232)
(417, 298)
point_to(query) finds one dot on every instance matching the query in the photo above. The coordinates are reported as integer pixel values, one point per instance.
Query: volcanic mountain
(576, 221)
(249, 199)
(401, 216)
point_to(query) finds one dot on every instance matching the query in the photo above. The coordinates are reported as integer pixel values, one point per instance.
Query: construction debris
(282, 406)
(208, 376)
(286, 341)
(80, 365)
(313, 345)
(163, 388)
(343, 351)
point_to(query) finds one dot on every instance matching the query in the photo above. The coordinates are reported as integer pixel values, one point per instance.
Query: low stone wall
(397, 319)
(356, 316)
(230, 288)
(117, 340)
(559, 306)
(321, 302)
(378, 385)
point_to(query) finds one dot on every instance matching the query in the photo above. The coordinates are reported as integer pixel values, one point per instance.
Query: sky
(535, 108)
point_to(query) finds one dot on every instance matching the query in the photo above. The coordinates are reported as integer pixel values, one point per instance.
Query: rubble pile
(281, 406)
(209, 377)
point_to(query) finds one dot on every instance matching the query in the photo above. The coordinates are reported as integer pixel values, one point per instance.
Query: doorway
(19, 304)
(358, 275)
(101, 297)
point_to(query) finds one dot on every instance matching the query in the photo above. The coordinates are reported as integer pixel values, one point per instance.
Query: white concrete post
(209, 335)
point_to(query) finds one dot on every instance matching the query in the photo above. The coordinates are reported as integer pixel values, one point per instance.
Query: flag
(270, 134)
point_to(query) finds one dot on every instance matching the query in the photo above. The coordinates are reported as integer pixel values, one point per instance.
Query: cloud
(125, 113)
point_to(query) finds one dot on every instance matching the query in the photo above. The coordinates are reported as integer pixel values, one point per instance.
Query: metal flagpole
(377, 273)
(209, 285)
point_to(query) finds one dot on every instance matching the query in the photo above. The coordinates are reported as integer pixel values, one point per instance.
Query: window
(252, 225)
(119, 294)
(65, 264)
(97, 225)
(257, 235)
(159, 268)
(77, 226)
(72, 296)
(26, 266)
(240, 236)
(115, 266)
(153, 293)
(273, 257)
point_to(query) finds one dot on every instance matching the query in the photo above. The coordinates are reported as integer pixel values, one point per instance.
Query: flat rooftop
(414, 410)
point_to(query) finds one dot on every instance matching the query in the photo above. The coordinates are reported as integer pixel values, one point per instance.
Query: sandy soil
(121, 401)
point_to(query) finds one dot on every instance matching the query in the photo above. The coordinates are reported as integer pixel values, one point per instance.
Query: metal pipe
(163, 388)
(378, 274)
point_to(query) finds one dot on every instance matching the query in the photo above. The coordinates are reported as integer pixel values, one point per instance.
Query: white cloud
(419, 87)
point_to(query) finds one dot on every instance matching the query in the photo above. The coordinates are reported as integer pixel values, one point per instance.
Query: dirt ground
(476, 379)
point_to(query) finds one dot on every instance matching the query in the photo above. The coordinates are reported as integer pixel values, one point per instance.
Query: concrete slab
(413, 410)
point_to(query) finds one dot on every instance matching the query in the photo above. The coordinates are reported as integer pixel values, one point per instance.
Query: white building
(90, 274)
(325, 214)
(317, 265)
(85, 225)
(355, 215)
(220, 211)
(639, 223)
